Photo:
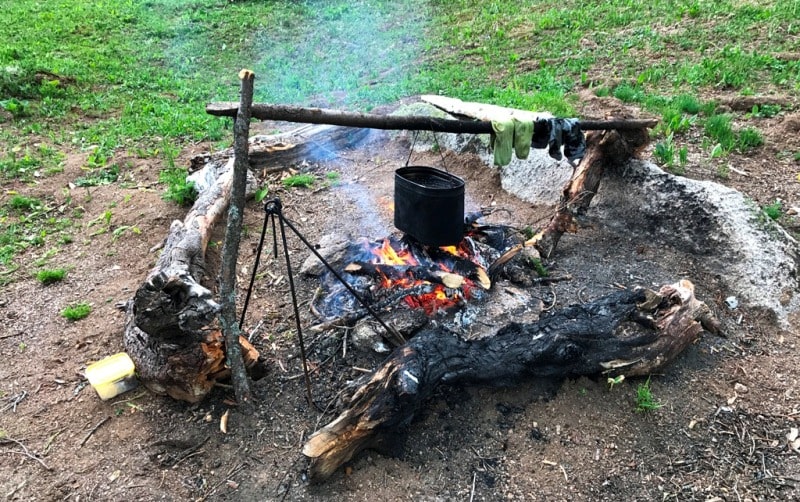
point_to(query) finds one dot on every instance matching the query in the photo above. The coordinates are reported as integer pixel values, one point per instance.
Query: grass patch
(51, 276)
(97, 177)
(301, 180)
(748, 139)
(774, 210)
(538, 267)
(719, 129)
(76, 311)
(179, 190)
(645, 401)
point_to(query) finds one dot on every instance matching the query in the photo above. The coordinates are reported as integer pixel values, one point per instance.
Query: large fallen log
(167, 330)
(630, 332)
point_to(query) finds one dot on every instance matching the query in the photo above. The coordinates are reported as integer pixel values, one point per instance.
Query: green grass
(645, 401)
(76, 311)
(774, 210)
(178, 189)
(114, 79)
(51, 276)
(302, 180)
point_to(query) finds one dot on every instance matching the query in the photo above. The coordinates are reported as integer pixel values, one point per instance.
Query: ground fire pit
(629, 331)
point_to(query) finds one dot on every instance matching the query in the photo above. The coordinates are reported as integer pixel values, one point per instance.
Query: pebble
(740, 388)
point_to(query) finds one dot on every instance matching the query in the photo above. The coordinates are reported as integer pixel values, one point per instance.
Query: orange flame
(439, 296)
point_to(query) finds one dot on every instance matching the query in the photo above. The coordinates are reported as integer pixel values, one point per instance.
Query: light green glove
(523, 135)
(503, 141)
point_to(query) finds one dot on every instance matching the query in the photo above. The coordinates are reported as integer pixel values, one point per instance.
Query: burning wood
(400, 273)
(425, 277)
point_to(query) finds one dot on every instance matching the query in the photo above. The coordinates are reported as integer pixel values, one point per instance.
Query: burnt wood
(630, 332)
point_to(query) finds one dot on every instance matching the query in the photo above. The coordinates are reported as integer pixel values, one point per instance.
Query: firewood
(264, 111)
(397, 272)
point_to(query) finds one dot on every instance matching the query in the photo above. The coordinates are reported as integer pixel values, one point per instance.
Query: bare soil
(721, 434)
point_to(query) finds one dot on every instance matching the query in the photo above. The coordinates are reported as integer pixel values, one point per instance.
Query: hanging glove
(574, 141)
(523, 135)
(502, 141)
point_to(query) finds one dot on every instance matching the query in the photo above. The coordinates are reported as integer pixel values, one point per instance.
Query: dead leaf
(223, 422)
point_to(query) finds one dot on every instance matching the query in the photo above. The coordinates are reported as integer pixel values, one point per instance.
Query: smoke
(341, 53)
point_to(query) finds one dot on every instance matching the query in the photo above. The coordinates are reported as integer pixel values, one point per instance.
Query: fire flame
(436, 296)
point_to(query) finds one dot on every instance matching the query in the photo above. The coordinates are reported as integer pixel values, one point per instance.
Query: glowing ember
(400, 266)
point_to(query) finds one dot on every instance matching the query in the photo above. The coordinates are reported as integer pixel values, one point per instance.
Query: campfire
(427, 271)
(433, 279)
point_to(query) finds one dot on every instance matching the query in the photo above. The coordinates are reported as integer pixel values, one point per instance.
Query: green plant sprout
(612, 381)
(644, 398)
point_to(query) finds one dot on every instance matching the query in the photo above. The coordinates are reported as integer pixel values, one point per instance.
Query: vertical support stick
(230, 248)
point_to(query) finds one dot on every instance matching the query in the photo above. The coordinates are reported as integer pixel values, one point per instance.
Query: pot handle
(436, 145)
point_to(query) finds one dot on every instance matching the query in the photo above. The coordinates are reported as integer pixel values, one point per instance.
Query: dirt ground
(728, 402)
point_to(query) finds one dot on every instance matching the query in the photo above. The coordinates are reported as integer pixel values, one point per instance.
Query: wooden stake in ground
(167, 330)
(630, 332)
(233, 233)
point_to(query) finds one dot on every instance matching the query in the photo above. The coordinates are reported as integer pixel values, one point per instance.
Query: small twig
(16, 489)
(94, 429)
(14, 401)
(25, 452)
(194, 453)
(11, 335)
(253, 331)
(553, 304)
(137, 396)
(472, 492)
(50, 440)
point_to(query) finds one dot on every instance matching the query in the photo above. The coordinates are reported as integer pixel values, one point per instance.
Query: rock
(740, 388)
(332, 248)
(718, 230)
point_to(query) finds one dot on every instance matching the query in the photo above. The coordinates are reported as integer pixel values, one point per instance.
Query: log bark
(166, 321)
(630, 332)
(287, 113)
(233, 234)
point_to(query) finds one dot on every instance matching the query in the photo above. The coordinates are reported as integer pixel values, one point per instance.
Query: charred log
(630, 332)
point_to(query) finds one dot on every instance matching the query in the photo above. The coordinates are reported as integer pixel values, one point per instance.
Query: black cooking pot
(429, 205)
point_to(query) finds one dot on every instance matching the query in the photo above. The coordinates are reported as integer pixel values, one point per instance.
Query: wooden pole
(287, 113)
(230, 248)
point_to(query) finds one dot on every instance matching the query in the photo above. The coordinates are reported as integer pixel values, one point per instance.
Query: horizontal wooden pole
(288, 113)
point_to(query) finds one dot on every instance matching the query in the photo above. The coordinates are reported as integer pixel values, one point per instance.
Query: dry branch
(233, 233)
(631, 332)
(602, 148)
(393, 122)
